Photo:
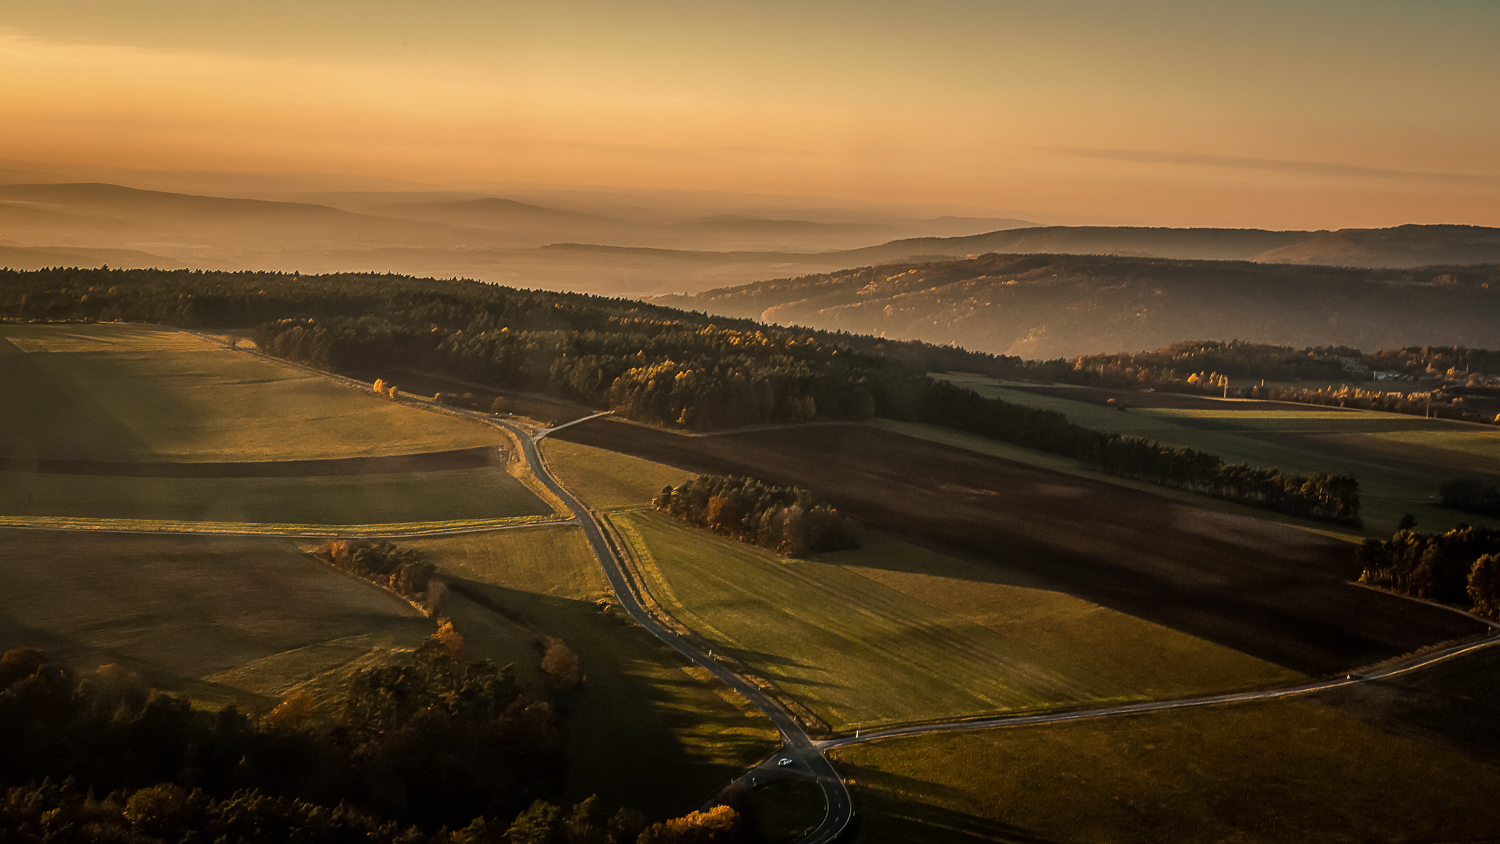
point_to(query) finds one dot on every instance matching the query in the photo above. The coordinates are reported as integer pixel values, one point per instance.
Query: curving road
(806, 755)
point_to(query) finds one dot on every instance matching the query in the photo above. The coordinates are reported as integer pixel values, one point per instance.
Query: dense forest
(646, 362)
(434, 750)
(1461, 566)
(787, 520)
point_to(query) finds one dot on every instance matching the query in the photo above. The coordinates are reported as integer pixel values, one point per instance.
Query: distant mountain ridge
(1048, 306)
(1401, 246)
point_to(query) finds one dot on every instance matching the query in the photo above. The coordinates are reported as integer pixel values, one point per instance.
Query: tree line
(1471, 495)
(1461, 566)
(645, 362)
(1317, 496)
(431, 751)
(787, 520)
(1204, 367)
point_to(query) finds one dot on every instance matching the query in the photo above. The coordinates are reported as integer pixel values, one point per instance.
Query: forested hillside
(1049, 306)
(648, 363)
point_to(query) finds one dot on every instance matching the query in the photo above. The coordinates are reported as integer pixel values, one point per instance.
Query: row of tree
(52, 813)
(432, 750)
(1461, 566)
(1471, 495)
(787, 520)
(1317, 496)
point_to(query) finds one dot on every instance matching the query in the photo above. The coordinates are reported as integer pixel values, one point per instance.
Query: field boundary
(477, 457)
(298, 531)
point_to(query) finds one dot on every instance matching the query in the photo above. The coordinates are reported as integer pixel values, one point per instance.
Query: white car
(786, 762)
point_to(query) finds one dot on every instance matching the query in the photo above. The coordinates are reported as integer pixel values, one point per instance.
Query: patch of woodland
(1460, 567)
(430, 751)
(405, 571)
(788, 520)
(646, 362)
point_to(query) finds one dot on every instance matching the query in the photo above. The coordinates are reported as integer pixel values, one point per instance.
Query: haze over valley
(762, 423)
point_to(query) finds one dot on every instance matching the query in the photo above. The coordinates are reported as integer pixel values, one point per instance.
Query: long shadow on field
(1266, 589)
(892, 807)
(1453, 702)
(637, 713)
(773, 667)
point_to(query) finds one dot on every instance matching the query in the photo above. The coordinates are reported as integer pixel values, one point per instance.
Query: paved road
(806, 755)
(1424, 661)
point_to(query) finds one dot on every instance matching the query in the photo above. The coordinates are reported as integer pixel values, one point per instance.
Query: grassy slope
(1303, 441)
(128, 392)
(607, 480)
(1294, 770)
(891, 633)
(224, 619)
(643, 707)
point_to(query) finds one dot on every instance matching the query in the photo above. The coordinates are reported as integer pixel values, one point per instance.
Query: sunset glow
(1269, 114)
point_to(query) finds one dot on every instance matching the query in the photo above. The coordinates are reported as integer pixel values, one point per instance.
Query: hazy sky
(1296, 114)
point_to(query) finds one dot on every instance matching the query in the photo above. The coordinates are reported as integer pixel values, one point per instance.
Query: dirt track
(1268, 590)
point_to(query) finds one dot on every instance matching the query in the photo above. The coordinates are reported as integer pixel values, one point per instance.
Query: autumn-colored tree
(719, 825)
(560, 666)
(1484, 585)
(293, 712)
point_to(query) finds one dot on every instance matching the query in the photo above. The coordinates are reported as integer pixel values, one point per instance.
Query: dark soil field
(1154, 398)
(1268, 590)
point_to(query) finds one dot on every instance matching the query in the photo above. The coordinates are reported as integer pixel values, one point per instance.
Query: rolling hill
(1401, 246)
(1044, 306)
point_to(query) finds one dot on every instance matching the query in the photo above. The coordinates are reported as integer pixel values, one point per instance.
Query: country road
(807, 757)
(798, 745)
(1426, 660)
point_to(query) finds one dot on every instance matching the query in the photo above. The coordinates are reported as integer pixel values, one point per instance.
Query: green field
(1294, 770)
(136, 393)
(643, 708)
(607, 480)
(131, 392)
(890, 633)
(240, 620)
(464, 495)
(1399, 460)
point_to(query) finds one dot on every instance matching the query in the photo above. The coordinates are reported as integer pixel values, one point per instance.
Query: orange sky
(1293, 115)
